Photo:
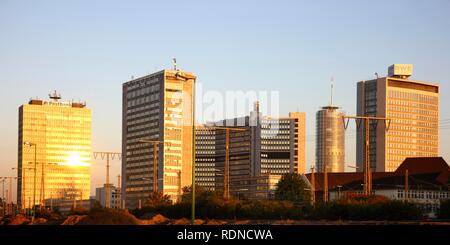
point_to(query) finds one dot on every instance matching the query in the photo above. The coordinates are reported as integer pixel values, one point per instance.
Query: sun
(75, 160)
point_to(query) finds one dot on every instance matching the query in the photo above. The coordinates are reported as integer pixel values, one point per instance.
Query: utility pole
(119, 192)
(30, 144)
(367, 169)
(109, 156)
(155, 161)
(226, 174)
(313, 187)
(42, 186)
(3, 194)
(7, 199)
(406, 184)
(325, 182)
(179, 185)
(10, 196)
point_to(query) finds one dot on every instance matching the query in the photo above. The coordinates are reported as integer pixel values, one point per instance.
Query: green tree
(292, 187)
(157, 199)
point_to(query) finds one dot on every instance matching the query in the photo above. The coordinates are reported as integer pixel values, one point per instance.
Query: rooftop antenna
(331, 100)
(174, 64)
(54, 96)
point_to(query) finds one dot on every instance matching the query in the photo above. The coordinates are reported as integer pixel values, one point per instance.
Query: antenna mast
(331, 100)
(174, 64)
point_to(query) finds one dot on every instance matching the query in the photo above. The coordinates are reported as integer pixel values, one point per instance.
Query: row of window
(143, 91)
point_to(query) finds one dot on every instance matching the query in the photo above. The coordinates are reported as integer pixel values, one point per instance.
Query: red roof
(419, 165)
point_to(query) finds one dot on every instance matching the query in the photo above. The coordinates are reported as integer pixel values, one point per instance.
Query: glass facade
(330, 140)
(60, 132)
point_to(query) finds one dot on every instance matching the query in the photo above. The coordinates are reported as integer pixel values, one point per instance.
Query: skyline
(312, 45)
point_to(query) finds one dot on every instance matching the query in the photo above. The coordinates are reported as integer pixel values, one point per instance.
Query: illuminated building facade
(412, 106)
(157, 107)
(60, 133)
(330, 140)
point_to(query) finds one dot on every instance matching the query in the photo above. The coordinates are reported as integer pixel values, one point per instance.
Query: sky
(86, 49)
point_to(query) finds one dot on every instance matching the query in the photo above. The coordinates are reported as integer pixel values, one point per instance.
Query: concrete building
(157, 107)
(330, 140)
(412, 106)
(58, 135)
(264, 146)
(114, 199)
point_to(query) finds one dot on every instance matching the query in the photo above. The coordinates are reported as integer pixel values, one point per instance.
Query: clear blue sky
(87, 49)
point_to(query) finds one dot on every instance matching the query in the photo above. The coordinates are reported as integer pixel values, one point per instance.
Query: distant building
(58, 134)
(423, 180)
(65, 206)
(115, 200)
(264, 146)
(157, 107)
(412, 106)
(330, 140)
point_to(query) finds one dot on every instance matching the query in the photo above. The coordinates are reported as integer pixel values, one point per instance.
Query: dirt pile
(19, 220)
(74, 219)
(157, 219)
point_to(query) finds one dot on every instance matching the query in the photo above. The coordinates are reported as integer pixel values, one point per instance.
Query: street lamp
(186, 77)
(30, 144)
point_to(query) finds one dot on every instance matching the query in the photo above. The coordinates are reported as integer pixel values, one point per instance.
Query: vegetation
(292, 187)
(292, 203)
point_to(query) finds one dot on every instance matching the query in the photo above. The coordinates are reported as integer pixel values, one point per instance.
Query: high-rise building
(157, 107)
(330, 139)
(205, 157)
(264, 146)
(58, 134)
(413, 109)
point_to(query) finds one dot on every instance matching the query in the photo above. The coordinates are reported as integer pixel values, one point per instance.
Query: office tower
(330, 140)
(157, 107)
(412, 106)
(58, 133)
(263, 147)
(205, 157)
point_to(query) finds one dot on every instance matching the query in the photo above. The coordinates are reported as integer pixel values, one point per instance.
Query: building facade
(330, 140)
(263, 146)
(205, 157)
(114, 199)
(413, 109)
(157, 107)
(58, 134)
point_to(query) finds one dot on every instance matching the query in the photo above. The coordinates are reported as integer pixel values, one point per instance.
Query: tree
(157, 199)
(292, 187)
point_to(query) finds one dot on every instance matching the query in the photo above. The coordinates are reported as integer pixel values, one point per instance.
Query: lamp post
(3, 194)
(30, 144)
(184, 77)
